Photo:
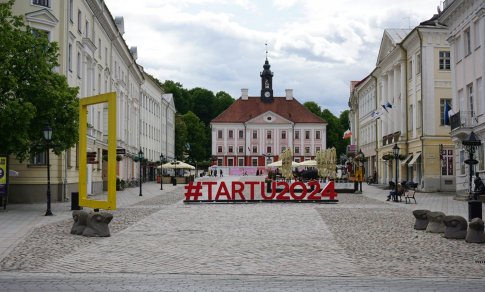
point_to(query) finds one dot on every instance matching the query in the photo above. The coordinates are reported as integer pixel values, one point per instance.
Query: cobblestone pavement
(158, 243)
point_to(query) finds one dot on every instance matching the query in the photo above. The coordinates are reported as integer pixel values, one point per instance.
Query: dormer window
(45, 3)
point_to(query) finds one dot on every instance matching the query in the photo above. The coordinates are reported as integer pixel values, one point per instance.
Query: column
(384, 118)
(390, 99)
(396, 104)
(404, 96)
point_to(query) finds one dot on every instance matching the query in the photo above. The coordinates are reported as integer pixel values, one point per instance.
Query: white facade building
(95, 58)
(465, 20)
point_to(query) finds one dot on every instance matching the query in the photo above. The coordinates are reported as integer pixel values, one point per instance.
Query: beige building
(413, 82)
(95, 58)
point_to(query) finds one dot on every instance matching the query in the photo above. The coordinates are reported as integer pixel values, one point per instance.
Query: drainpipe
(422, 98)
(406, 98)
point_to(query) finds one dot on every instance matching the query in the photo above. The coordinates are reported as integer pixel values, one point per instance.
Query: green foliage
(31, 93)
(196, 137)
(335, 127)
(180, 136)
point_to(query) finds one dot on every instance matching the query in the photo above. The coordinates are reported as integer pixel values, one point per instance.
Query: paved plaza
(158, 243)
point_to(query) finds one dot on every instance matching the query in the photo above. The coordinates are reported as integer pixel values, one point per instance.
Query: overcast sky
(314, 47)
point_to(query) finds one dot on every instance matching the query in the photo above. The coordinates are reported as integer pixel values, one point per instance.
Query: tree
(32, 94)
(196, 137)
(181, 134)
(223, 101)
(181, 97)
(313, 107)
(203, 104)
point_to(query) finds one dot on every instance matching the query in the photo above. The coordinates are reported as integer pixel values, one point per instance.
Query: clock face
(267, 94)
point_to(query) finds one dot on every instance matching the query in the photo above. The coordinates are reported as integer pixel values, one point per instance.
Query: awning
(415, 157)
(407, 159)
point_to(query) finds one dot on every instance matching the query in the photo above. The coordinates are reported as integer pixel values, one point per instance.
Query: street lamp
(395, 151)
(361, 166)
(48, 138)
(140, 159)
(161, 161)
(471, 144)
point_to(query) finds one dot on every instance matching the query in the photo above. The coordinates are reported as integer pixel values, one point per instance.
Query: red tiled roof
(243, 110)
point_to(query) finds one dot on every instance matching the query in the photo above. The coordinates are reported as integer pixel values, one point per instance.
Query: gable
(269, 118)
(42, 17)
(390, 39)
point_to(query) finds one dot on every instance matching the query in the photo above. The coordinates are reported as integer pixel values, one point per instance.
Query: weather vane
(266, 45)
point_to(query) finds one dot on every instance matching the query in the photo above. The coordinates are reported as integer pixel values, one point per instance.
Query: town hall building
(255, 130)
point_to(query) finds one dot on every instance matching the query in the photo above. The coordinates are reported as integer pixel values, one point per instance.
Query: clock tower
(266, 82)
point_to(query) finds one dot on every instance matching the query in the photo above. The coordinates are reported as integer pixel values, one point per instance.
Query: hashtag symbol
(193, 191)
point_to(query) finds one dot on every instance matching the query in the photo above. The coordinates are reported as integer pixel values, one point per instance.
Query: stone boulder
(97, 224)
(455, 227)
(435, 224)
(475, 232)
(80, 221)
(421, 219)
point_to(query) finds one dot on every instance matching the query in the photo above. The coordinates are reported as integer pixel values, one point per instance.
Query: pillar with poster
(4, 171)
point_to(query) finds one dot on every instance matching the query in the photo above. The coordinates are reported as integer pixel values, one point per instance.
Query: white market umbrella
(308, 163)
(176, 164)
(279, 163)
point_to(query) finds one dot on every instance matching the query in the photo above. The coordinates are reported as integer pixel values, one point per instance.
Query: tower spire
(266, 45)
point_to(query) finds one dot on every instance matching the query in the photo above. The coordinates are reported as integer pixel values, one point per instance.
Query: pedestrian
(220, 172)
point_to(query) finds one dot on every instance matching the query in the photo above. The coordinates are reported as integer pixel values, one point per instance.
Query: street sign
(120, 151)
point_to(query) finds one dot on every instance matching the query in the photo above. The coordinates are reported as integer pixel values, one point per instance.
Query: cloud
(315, 47)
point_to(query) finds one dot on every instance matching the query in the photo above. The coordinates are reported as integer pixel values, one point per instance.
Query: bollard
(174, 180)
(474, 209)
(75, 201)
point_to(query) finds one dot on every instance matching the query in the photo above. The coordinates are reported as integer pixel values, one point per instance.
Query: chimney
(134, 52)
(120, 23)
(244, 94)
(289, 94)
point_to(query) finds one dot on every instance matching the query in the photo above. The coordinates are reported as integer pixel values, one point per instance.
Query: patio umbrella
(176, 164)
(279, 163)
(308, 163)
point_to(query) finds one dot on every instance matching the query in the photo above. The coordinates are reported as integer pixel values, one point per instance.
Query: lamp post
(140, 159)
(395, 151)
(161, 161)
(361, 170)
(474, 205)
(48, 137)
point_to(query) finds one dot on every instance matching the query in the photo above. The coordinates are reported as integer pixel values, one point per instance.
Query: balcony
(462, 122)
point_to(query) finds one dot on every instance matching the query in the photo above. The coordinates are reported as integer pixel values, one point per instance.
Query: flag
(384, 107)
(388, 105)
(347, 134)
(249, 149)
(446, 113)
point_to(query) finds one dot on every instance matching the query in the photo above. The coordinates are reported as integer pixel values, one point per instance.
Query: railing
(463, 119)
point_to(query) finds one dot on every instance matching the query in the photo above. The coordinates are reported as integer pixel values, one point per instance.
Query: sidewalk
(442, 201)
(18, 220)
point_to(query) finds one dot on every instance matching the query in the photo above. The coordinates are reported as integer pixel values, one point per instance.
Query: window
(241, 134)
(467, 43)
(255, 134)
(45, 3)
(317, 135)
(444, 57)
(268, 150)
(268, 134)
(231, 134)
(410, 70)
(255, 161)
(481, 164)
(418, 63)
(219, 134)
(106, 56)
(297, 149)
(480, 97)
(219, 149)
(307, 135)
(79, 65)
(230, 149)
(99, 48)
(69, 57)
(79, 21)
(71, 10)
(307, 150)
(283, 148)
(411, 117)
(38, 158)
(297, 135)
(469, 91)
(476, 28)
(317, 148)
(219, 161)
(443, 101)
(240, 149)
(86, 33)
(240, 162)
(447, 165)
(283, 135)
(255, 149)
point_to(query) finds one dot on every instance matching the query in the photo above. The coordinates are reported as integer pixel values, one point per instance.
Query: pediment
(43, 16)
(269, 118)
(386, 47)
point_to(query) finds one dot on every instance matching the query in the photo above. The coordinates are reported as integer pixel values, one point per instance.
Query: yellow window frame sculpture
(110, 204)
